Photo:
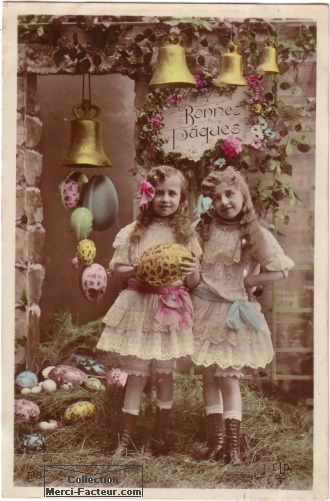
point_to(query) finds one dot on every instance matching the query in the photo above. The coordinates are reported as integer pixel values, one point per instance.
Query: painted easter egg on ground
(26, 411)
(115, 377)
(92, 383)
(81, 222)
(69, 193)
(89, 364)
(93, 282)
(86, 251)
(26, 379)
(100, 197)
(160, 265)
(79, 411)
(30, 442)
(64, 374)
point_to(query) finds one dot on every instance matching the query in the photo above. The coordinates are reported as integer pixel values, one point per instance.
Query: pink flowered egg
(69, 193)
(26, 411)
(115, 377)
(93, 282)
(75, 263)
(63, 374)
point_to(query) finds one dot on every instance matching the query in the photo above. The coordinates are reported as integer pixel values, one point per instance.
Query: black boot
(233, 448)
(126, 431)
(159, 445)
(214, 448)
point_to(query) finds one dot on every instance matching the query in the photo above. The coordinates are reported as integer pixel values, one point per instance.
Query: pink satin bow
(175, 307)
(147, 192)
(175, 304)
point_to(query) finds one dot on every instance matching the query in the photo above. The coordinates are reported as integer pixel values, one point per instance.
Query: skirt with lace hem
(224, 354)
(132, 330)
(210, 318)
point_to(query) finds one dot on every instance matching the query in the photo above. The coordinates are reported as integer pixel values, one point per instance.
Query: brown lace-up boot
(214, 448)
(159, 445)
(126, 432)
(233, 448)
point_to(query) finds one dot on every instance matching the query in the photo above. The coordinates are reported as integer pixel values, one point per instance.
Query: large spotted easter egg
(93, 282)
(63, 374)
(159, 266)
(100, 197)
(79, 411)
(26, 379)
(26, 411)
(86, 251)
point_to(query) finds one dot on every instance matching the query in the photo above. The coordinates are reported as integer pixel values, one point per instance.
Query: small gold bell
(172, 70)
(268, 63)
(86, 143)
(230, 68)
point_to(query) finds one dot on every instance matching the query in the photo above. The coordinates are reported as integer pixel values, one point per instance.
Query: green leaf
(97, 60)
(139, 38)
(148, 32)
(147, 57)
(286, 219)
(296, 91)
(191, 61)
(59, 55)
(84, 65)
(273, 164)
(81, 55)
(40, 31)
(73, 54)
(304, 147)
(147, 128)
(283, 67)
(203, 41)
(201, 60)
(269, 96)
(288, 148)
(285, 85)
(286, 168)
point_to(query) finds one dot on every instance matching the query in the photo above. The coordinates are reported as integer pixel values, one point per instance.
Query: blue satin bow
(203, 205)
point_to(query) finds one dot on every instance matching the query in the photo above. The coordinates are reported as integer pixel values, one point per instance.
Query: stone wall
(30, 234)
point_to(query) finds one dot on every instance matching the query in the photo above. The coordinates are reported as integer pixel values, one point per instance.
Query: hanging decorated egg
(92, 383)
(80, 178)
(79, 411)
(100, 197)
(115, 377)
(64, 374)
(86, 251)
(160, 265)
(26, 411)
(69, 193)
(75, 263)
(30, 442)
(81, 222)
(26, 379)
(93, 282)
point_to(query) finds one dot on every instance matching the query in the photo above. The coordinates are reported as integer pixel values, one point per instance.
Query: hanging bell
(230, 68)
(268, 63)
(172, 70)
(86, 144)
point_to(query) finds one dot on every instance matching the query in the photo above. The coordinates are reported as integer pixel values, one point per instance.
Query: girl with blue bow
(230, 331)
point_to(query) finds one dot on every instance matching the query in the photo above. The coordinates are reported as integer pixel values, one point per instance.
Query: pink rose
(175, 30)
(232, 146)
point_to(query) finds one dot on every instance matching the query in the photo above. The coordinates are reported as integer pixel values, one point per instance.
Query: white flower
(192, 153)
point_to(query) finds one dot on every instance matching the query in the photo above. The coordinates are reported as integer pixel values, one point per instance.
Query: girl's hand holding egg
(189, 266)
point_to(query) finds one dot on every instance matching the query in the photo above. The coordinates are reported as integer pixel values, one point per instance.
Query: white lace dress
(130, 325)
(223, 273)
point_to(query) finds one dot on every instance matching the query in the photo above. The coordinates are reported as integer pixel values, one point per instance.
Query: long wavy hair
(179, 221)
(248, 224)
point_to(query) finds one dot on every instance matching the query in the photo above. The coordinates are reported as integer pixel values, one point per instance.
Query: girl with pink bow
(148, 323)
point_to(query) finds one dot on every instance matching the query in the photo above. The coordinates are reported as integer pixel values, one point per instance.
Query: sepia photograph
(165, 251)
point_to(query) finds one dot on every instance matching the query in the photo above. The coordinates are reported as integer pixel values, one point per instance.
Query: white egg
(36, 389)
(43, 425)
(49, 385)
(25, 391)
(65, 387)
(40, 384)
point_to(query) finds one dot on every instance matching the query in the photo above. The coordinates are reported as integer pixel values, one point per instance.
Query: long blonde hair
(179, 221)
(248, 224)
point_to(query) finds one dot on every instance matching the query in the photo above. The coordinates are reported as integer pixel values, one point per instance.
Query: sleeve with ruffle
(275, 259)
(122, 248)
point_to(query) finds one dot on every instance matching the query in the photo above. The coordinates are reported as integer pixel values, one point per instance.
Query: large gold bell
(230, 68)
(86, 133)
(268, 63)
(172, 70)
